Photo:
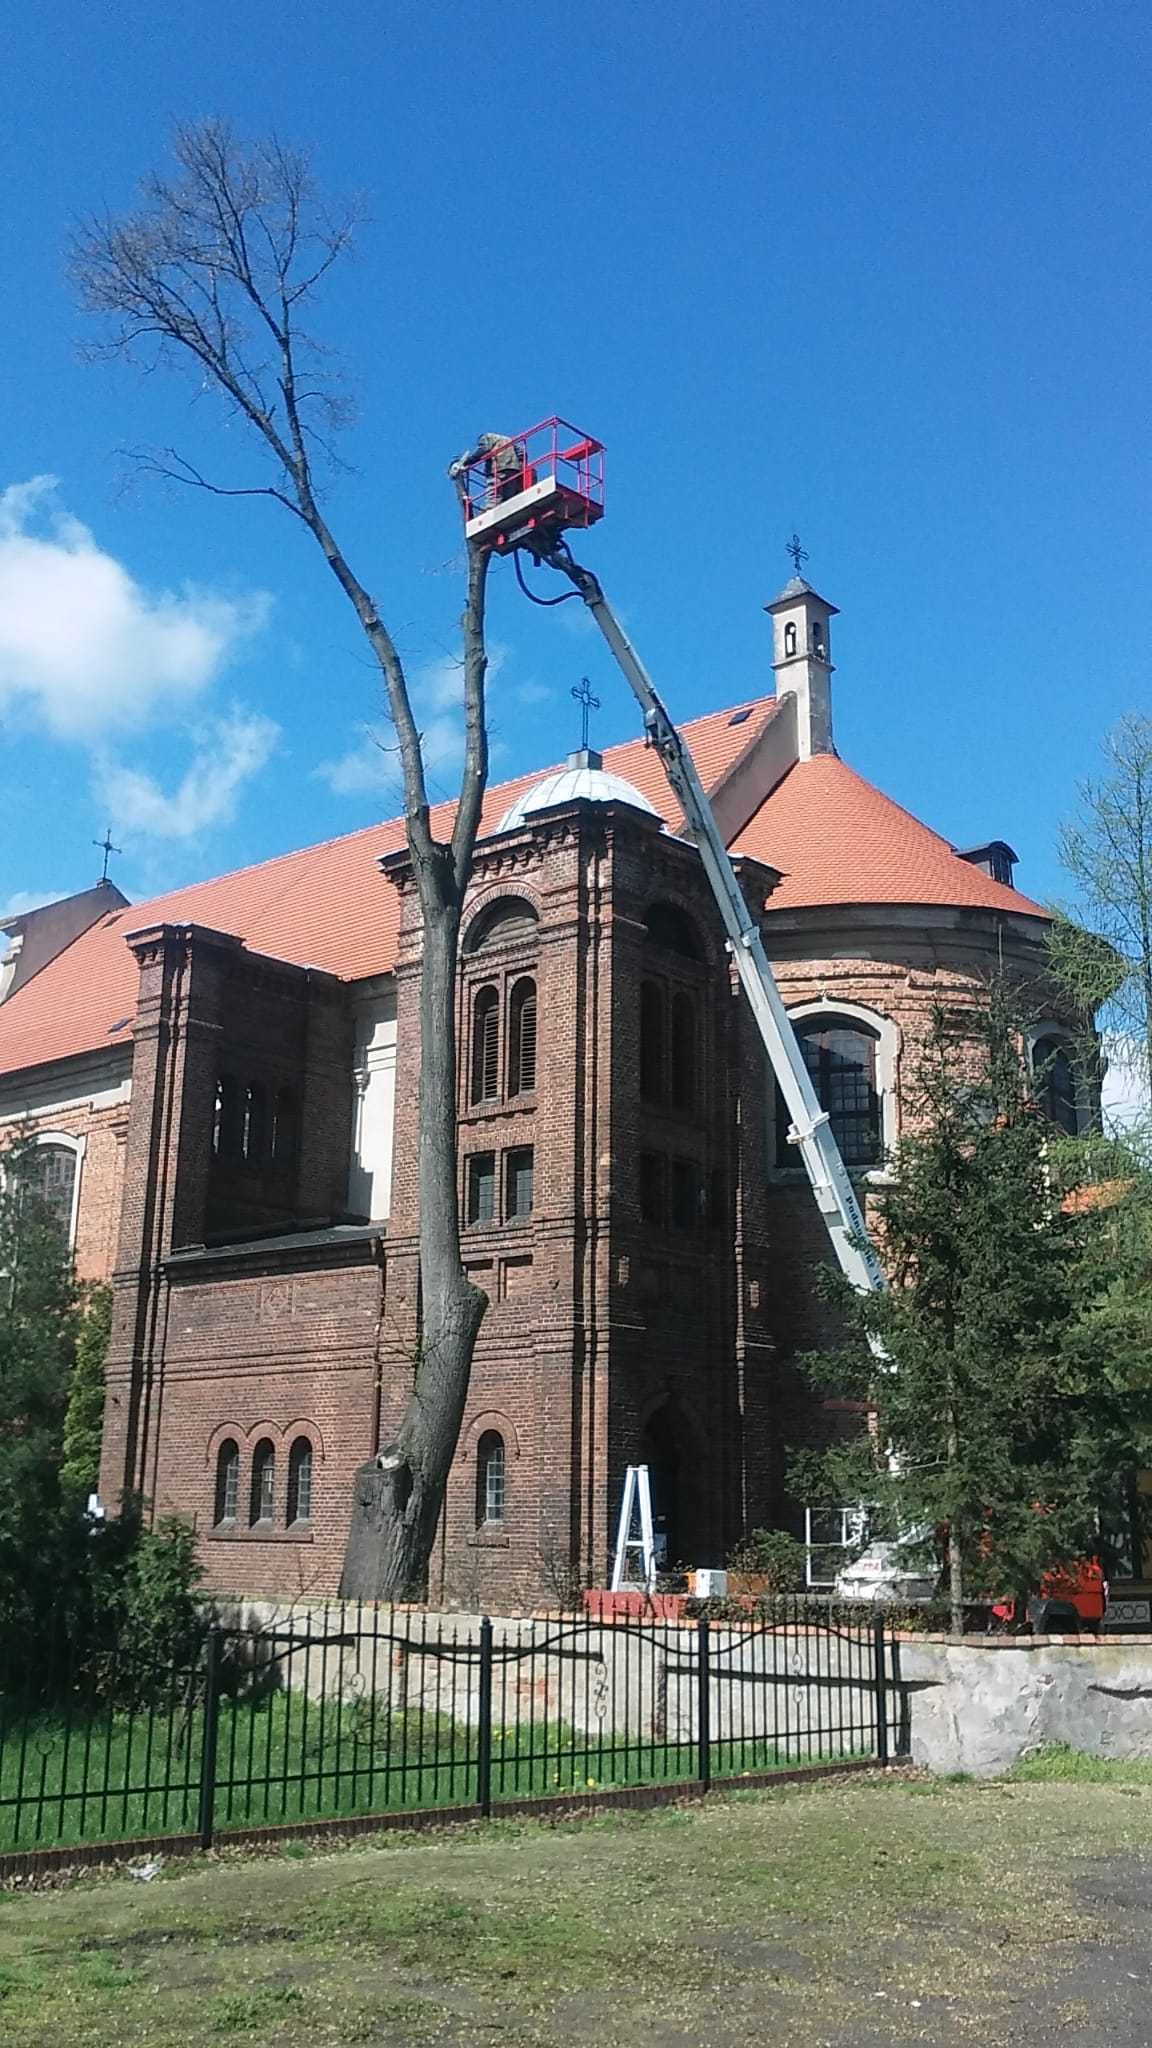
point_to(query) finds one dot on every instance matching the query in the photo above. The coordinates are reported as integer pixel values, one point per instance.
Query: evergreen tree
(84, 1414)
(1008, 1369)
(39, 1321)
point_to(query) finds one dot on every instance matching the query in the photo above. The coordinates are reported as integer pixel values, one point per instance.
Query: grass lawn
(850, 1913)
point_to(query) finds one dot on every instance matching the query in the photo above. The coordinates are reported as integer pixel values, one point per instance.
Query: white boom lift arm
(811, 1130)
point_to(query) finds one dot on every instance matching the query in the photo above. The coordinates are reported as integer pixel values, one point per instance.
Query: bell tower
(802, 660)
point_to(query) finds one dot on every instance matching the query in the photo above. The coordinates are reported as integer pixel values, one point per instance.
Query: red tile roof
(836, 838)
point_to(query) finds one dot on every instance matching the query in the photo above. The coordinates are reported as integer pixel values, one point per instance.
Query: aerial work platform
(531, 484)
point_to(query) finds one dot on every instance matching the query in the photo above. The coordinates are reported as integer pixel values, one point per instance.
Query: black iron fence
(338, 1712)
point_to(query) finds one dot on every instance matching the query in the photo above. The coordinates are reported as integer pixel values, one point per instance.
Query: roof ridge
(295, 853)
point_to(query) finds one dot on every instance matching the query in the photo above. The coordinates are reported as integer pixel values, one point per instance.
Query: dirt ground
(853, 1913)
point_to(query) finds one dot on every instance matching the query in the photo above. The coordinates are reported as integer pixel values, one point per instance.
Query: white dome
(573, 785)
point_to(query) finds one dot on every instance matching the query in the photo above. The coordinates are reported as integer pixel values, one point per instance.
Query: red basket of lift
(523, 487)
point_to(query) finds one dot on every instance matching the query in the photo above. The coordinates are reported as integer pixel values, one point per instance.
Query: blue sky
(876, 271)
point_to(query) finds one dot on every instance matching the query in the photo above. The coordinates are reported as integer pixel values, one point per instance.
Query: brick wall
(622, 1327)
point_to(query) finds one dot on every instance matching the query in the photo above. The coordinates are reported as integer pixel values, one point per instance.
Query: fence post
(211, 1729)
(880, 1686)
(703, 1704)
(484, 1733)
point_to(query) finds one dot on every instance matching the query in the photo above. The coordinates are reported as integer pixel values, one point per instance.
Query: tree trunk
(398, 1496)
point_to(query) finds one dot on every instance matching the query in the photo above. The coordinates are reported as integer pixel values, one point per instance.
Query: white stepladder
(637, 1501)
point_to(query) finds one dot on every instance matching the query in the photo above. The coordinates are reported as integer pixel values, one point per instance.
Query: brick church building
(223, 1081)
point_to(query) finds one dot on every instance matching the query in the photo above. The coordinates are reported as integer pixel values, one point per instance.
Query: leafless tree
(217, 272)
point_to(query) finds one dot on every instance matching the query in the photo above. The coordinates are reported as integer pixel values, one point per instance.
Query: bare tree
(217, 272)
(1101, 953)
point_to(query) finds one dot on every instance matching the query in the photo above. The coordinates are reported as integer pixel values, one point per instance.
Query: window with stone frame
(52, 1175)
(840, 1055)
(1057, 1082)
(226, 1504)
(491, 1469)
(262, 1499)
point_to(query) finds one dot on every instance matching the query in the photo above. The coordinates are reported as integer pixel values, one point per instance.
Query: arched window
(682, 1065)
(504, 923)
(285, 1129)
(262, 1503)
(299, 1506)
(522, 1037)
(651, 1041)
(841, 1058)
(669, 926)
(790, 638)
(227, 1482)
(226, 1119)
(52, 1172)
(486, 1044)
(490, 1478)
(1057, 1088)
(818, 638)
(254, 1125)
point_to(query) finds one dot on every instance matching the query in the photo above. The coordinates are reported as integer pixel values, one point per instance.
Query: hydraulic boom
(811, 1130)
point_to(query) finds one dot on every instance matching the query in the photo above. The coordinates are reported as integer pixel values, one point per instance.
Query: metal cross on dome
(794, 549)
(588, 703)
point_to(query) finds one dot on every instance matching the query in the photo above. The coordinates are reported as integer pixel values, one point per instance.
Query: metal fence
(344, 1712)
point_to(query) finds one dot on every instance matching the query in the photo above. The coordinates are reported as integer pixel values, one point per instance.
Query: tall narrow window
(841, 1058)
(480, 1197)
(490, 1472)
(651, 1042)
(522, 1038)
(299, 1507)
(285, 1130)
(1056, 1087)
(789, 638)
(652, 1188)
(254, 1125)
(486, 1045)
(683, 1186)
(53, 1176)
(683, 1049)
(519, 1176)
(226, 1118)
(227, 1482)
(262, 1502)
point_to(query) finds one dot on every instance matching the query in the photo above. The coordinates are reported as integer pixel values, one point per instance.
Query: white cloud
(86, 647)
(533, 693)
(234, 749)
(23, 900)
(438, 702)
(1124, 1095)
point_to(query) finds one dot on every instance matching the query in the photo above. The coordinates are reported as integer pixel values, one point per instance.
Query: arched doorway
(674, 1475)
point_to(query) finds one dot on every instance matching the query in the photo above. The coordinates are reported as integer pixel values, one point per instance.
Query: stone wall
(981, 1706)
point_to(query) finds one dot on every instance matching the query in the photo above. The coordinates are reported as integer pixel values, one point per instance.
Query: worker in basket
(503, 458)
